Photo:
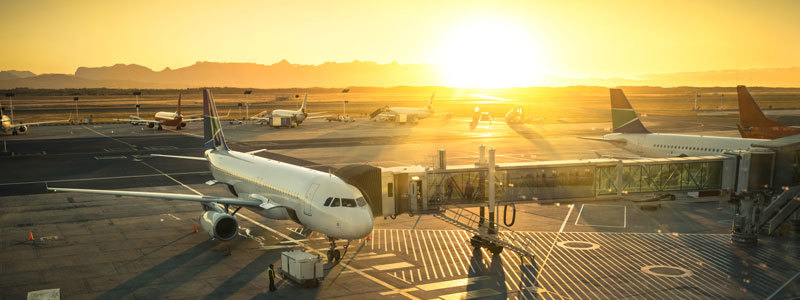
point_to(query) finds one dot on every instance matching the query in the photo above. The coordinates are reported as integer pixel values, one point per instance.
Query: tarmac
(100, 247)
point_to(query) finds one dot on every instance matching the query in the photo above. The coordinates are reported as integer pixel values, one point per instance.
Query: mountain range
(357, 73)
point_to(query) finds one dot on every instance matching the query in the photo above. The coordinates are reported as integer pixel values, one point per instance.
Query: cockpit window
(328, 201)
(361, 201)
(335, 203)
(348, 202)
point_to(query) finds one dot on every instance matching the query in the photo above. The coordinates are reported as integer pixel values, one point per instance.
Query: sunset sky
(522, 40)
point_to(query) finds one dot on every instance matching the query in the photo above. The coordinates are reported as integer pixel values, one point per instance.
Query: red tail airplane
(753, 123)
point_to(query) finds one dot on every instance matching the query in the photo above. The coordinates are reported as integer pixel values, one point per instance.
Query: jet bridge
(445, 190)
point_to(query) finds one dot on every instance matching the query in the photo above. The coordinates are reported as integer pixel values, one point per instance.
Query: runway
(99, 247)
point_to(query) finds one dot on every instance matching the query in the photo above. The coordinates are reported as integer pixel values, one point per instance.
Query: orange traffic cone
(30, 236)
(194, 228)
(229, 251)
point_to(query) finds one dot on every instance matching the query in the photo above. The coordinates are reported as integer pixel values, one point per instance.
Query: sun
(488, 53)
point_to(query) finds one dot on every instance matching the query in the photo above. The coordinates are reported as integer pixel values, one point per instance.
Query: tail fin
(430, 101)
(179, 104)
(623, 117)
(750, 115)
(303, 107)
(214, 139)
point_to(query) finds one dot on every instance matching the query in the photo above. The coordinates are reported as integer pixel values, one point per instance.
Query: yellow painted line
(452, 283)
(471, 294)
(392, 266)
(103, 134)
(351, 268)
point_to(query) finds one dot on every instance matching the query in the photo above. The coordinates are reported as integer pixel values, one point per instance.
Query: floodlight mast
(246, 102)
(77, 116)
(137, 93)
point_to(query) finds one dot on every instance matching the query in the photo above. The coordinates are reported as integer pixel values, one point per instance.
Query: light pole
(76, 110)
(137, 93)
(247, 103)
(344, 102)
(240, 111)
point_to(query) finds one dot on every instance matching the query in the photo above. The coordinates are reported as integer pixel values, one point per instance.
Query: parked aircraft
(297, 116)
(753, 123)
(404, 114)
(319, 201)
(630, 134)
(7, 123)
(162, 118)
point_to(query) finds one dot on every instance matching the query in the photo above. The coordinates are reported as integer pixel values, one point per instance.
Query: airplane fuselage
(300, 193)
(673, 145)
(298, 116)
(169, 119)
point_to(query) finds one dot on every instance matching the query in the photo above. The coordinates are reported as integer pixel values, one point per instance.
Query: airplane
(630, 134)
(753, 123)
(319, 201)
(7, 123)
(399, 114)
(297, 116)
(164, 118)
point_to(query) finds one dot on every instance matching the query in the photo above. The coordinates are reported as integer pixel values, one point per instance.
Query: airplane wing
(316, 113)
(192, 120)
(38, 123)
(317, 117)
(139, 120)
(600, 155)
(179, 156)
(617, 142)
(167, 196)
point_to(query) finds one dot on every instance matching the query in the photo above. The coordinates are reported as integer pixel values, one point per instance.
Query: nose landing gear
(333, 254)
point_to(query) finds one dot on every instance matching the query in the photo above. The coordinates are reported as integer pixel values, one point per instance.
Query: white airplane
(410, 113)
(7, 123)
(630, 134)
(317, 200)
(297, 116)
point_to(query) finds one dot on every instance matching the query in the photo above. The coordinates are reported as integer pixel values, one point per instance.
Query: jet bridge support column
(491, 187)
(744, 222)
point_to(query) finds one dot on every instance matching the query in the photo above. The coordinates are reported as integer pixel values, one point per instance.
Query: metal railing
(471, 221)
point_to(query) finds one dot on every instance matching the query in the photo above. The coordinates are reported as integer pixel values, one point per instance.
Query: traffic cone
(194, 228)
(30, 236)
(369, 237)
(229, 251)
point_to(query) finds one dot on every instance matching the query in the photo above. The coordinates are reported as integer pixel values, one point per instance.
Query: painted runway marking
(105, 135)
(393, 266)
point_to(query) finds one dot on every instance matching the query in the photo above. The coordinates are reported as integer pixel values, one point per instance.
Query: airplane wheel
(337, 255)
(178, 128)
(159, 128)
(330, 256)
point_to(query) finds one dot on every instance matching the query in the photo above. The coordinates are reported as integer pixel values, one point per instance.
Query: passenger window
(328, 201)
(390, 189)
(361, 201)
(335, 203)
(348, 202)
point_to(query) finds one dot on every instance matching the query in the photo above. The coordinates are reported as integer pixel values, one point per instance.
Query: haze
(471, 44)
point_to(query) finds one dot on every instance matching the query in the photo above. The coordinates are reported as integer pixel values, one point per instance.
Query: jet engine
(219, 225)
(183, 124)
(22, 128)
(151, 125)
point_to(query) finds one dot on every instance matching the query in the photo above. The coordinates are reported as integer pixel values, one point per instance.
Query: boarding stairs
(780, 209)
(377, 112)
(470, 221)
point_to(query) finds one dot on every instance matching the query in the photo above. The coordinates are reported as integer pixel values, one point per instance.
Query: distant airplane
(163, 118)
(517, 115)
(630, 134)
(319, 201)
(753, 123)
(404, 114)
(297, 116)
(7, 123)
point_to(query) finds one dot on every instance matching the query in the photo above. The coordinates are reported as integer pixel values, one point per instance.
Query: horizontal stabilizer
(617, 142)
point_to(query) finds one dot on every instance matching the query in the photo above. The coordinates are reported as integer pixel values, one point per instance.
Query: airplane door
(309, 197)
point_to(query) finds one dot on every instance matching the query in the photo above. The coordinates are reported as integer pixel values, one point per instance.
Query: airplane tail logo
(303, 107)
(211, 126)
(623, 117)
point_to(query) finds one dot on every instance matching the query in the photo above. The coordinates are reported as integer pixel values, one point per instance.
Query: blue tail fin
(214, 139)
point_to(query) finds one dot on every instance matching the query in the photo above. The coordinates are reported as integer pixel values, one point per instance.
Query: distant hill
(14, 74)
(357, 73)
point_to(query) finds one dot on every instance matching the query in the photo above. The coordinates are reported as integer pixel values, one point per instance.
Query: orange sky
(473, 42)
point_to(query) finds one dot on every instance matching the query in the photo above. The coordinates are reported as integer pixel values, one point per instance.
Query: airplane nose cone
(359, 226)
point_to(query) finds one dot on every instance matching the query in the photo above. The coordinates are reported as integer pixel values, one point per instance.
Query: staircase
(470, 221)
(377, 112)
(780, 209)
